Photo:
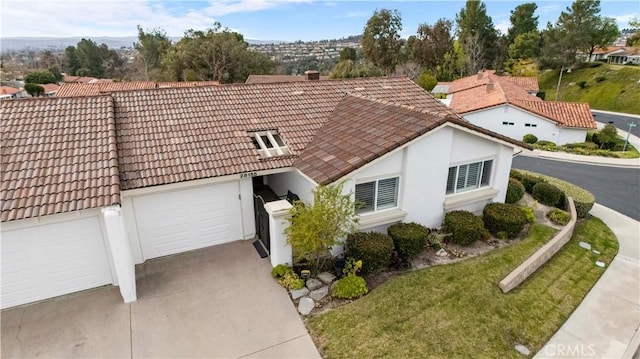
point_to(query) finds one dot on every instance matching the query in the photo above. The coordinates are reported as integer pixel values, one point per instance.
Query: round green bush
(374, 249)
(547, 193)
(558, 216)
(515, 191)
(503, 217)
(409, 239)
(464, 227)
(530, 138)
(350, 287)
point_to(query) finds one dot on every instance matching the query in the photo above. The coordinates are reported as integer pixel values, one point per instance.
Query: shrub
(529, 181)
(547, 194)
(350, 287)
(558, 216)
(515, 191)
(546, 143)
(530, 138)
(280, 270)
(409, 239)
(586, 145)
(600, 78)
(464, 227)
(503, 217)
(374, 249)
(287, 277)
(582, 198)
(529, 214)
(582, 84)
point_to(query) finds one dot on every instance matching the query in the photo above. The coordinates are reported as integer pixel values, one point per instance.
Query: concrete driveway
(215, 302)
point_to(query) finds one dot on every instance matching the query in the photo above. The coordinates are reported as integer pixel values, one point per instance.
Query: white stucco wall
(547, 130)
(292, 181)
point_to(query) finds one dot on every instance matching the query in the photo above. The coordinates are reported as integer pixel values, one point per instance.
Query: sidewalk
(607, 322)
(595, 160)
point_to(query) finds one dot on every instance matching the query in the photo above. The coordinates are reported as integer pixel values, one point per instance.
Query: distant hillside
(58, 43)
(606, 87)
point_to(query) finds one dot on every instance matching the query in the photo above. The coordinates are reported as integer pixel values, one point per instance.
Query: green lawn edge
(457, 310)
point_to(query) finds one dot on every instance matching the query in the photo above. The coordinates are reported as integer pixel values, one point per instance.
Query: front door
(262, 221)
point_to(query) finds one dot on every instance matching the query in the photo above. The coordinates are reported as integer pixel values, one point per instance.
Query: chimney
(489, 86)
(480, 73)
(312, 75)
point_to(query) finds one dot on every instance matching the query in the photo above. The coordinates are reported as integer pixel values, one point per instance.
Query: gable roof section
(172, 135)
(8, 90)
(362, 129)
(58, 155)
(474, 93)
(93, 89)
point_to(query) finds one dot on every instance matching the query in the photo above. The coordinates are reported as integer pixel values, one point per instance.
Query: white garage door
(53, 259)
(183, 220)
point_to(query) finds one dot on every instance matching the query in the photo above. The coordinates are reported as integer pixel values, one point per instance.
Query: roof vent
(489, 86)
(480, 74)
(312, 75)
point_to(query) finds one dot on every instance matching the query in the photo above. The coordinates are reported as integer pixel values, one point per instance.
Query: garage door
(53, 259)
(179, 221)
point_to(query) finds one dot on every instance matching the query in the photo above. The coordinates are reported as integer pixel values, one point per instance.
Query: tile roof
(49, 88)
(58, 155)
(527, 83)
(8, 90)
(97, 88)
(173, 135)
(269, 79)
(474, 93)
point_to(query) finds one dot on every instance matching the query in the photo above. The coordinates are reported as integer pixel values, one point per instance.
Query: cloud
(542, 10)
(623, 20)
(353, 14)
(503, 26)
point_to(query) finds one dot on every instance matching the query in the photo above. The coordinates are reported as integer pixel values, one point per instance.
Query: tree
(522, 20)
(426, 81)
(634, 40)
(525, 46)
(90, 58)
(474, 54)
(454, 65)
(348, 53)
(71, 63)
(34, 90)
(152, 47)
(381, 39)
(432, 43)
(607, 135)
(605, 33)
(351, 69)
(40, 77)
(474, 25)
(316, 227)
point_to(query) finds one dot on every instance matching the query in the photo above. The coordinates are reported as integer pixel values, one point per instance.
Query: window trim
(265, 151)
(480, 175)
(375, 198)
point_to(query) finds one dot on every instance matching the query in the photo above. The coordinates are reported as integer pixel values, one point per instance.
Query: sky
(284, 20)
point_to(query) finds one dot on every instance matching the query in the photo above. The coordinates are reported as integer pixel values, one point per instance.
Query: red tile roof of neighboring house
(49, 88)
(8, 90)
(474, 93)
(91, 89)
(269, 79)
(58, 155)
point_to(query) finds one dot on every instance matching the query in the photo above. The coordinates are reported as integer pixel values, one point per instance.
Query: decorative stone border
(542, 255)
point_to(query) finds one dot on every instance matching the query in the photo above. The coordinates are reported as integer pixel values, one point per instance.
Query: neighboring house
(93, 185)
(602, 54)
(83, 79)
(310, 75)
(507, 105)
(91, 89)
(50, 90)
(8, 92)
(629, 55)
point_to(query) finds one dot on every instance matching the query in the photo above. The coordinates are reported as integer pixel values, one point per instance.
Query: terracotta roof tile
(270, 79)
(8, 90)
(97, 88)
(475, 93)
(165, 133)
(46, 143)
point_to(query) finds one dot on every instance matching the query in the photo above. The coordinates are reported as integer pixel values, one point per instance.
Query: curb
(587, 160)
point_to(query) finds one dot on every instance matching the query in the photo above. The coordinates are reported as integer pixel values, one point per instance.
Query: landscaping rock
(585, 245)
(442, 253)
(306, 305)
(600, 264)
(295, 294)
(326, 277)
(596, 252)
(523, 350)
(313, 284)
(319, 293)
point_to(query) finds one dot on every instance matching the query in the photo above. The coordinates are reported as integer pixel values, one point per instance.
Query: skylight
(269, 144)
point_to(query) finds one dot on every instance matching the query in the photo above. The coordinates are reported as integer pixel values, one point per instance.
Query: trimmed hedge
(409, 239)
(559, 216)
(374, 249)
(582, 198)
(350, 287)
(547, 193)
(464, 227)
(503, 217)
(515, 191)
(530, 138)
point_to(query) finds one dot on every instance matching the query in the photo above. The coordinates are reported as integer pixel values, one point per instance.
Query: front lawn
(457, 310)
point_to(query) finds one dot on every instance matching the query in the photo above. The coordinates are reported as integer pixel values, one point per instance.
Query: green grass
(619, 91)
(457, 310)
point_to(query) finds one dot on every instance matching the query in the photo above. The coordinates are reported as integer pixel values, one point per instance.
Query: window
(377, 195)
(269, 144)
(507, 123)
(530, 125)
(469, 176)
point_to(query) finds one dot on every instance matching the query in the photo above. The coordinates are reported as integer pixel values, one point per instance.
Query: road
(613, 187)
(620, 121)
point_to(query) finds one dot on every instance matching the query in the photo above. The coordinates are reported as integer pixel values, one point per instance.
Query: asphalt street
(620, 121)
(613, 187)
